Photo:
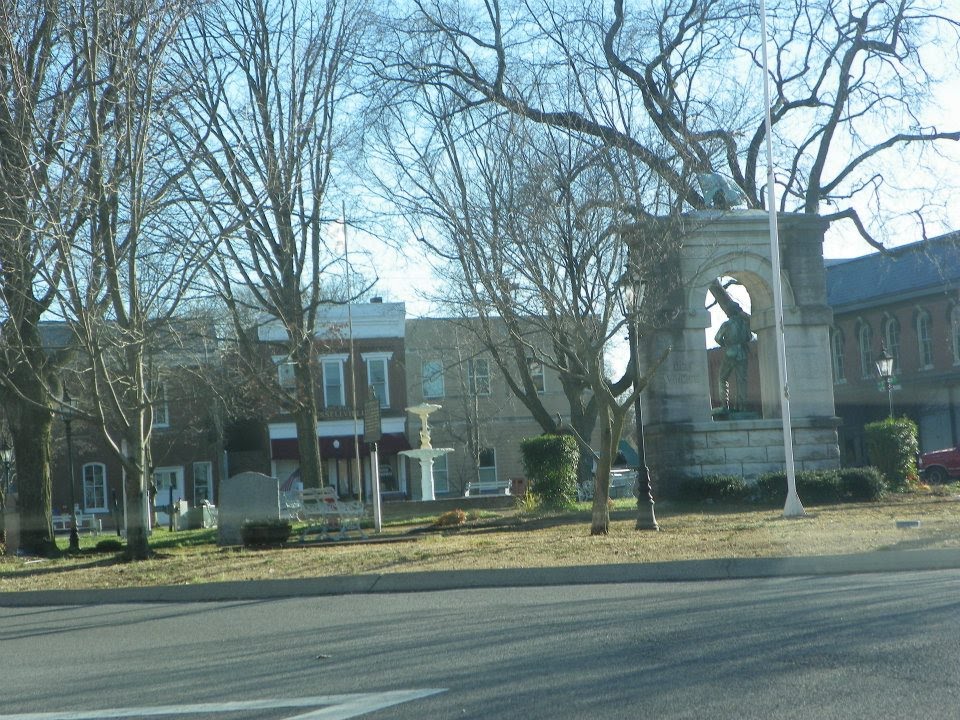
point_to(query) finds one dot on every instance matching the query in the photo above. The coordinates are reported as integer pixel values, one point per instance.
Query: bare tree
(266, 115)
(658, 81)
(528, 223)
(40, 195)
(121, 284)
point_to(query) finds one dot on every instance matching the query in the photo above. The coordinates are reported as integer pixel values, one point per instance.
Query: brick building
(907, 301)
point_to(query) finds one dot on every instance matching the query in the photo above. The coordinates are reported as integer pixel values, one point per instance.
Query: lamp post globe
(885, 371)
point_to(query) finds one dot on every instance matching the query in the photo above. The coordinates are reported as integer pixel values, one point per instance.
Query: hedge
(550, 463)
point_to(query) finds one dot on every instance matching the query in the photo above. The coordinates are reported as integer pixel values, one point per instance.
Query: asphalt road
(862, 646)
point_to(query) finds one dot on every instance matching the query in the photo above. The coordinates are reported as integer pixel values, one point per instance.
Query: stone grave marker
(247, 496)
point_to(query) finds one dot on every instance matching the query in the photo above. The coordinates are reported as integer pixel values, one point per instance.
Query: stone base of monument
(744, 447)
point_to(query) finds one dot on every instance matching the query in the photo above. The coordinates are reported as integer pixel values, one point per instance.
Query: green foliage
(861, 484)
(718, 488)
(529, 503)
(816, 487)
(892, 448)
(550, 462)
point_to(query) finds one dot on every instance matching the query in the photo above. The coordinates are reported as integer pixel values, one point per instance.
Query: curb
(675, 571)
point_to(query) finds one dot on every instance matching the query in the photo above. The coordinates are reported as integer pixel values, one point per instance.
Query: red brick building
(906, 301)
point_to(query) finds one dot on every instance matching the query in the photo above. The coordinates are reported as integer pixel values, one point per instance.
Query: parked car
(939, 465)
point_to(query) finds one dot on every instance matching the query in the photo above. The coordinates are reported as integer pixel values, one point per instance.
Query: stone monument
(684, 437)
(247, 496)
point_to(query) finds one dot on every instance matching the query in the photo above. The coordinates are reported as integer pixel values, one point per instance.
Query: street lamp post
(885, 371)
(632, 295)
(6, 458)
(69, 413)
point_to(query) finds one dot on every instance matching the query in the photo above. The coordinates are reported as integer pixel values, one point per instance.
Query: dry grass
(510, 540)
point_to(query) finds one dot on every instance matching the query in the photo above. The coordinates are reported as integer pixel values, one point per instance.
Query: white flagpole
(793, 506)
(353, 368)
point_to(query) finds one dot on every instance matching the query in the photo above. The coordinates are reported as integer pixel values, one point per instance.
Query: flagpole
(353, 369)
(793, 506)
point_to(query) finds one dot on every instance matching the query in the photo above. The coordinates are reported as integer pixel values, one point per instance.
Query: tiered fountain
(426, 453)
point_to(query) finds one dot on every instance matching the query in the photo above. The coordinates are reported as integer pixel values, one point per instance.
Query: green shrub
(550, 461)
(861, 484)
(892, 448)
(816, 487)
(719, 488)
(529, 503)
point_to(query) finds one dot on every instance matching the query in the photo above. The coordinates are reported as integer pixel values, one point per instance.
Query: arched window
(891, 338)
(865, 339)
(836, 352)
(924, 340)
(955, 333)
(95, 487)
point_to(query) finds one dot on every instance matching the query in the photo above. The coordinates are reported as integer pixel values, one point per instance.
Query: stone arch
(684, 437)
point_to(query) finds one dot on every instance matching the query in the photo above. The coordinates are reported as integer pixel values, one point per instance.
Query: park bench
(320, 508)
(86, 522)
(487, 487)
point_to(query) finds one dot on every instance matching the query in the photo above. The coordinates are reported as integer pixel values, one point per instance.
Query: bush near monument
(550, 462)
(717, 488)
(892, 448)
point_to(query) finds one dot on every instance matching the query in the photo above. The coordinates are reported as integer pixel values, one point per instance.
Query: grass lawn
(511, 539)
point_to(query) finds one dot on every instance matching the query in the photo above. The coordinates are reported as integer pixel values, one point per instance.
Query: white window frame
(837, 354)
(379, 357)
(334, 361)
(491, 470)
(891, 335)
(431, 372)
(924, 339)
(94, 483)
(473, 377)
(537, 371)
(208, 482)
(161, 409)
(285, 372)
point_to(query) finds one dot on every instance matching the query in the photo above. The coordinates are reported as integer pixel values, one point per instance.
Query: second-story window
(478, 376)
(924, 340)
(433, 379)
(891, 335)
(285, 375)
(836, 347)
(865, 338)
(333, 392)
(378, 376)
(161, 410)
(537, 374)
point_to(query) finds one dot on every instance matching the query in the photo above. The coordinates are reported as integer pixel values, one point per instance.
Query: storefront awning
(338, 446)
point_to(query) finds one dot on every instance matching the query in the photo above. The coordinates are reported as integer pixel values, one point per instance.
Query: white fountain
(426, 453)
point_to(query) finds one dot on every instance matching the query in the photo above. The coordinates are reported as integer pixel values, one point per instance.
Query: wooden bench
(86, 522)
(321, 508)
(497, 487)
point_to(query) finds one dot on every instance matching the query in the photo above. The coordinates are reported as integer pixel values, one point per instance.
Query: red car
(939, 465)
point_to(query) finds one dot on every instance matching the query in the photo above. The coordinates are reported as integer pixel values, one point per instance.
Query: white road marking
(326, 707)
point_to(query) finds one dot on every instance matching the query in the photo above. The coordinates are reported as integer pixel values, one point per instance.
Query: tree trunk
(31, 447)
(311, 473)
(31, 423)
(600, 522)
(138, 532)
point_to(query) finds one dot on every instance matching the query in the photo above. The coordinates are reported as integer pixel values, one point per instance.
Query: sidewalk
(686, 570)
